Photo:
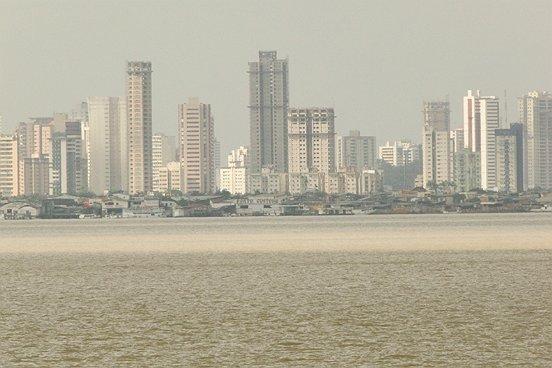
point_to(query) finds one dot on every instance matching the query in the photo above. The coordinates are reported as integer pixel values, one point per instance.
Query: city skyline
(359, 82)
(109, 145)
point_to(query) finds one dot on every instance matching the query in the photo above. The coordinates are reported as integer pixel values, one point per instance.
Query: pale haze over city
(374, 62)
(269, 183)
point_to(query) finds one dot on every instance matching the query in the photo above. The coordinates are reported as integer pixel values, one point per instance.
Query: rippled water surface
(379, 291)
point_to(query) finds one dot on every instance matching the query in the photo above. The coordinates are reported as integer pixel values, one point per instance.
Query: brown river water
(370, 291)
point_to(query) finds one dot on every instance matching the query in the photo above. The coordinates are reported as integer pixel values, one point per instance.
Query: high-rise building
(58, 163)
(392, 153)
(506, 161)
(457, 140)
(105, 158)
(490, 121)
(520, 131)
(123, 133)
(59, 119)
(196, 136)
(163, 152)
(436, 143)
(216, 160)
(9, 166)
(76, 179)
(79, 112)
(535, 112)
(139, 126)
(170, 177)
(235, 176)
(466, 170)
(412, 152)
(356, 152)
(456, 144)
(481, 118)
(268, 111)
(311, 140)
(399, 153)
(35, 141)
(34, 176)
(38, 141)
(472, 122)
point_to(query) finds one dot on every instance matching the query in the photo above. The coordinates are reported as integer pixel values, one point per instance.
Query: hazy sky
(373, 61)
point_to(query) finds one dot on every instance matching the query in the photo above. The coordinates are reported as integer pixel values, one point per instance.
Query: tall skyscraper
(123, 133)
(139, 122)
(196, 136)
(75, 180)
(105, 144)
(520, 131)
(472, 122)
(490, 121)
(481, 119)
(535, 113)
(268, 109)
(311, 144)
(436, 143)
(356, 152)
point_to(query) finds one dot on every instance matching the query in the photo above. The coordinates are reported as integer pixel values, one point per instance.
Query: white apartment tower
(235, 176)
(268, 105)
(392, 153)
(196, 136)
(163, 152)
(170, 177)
(311, 140)
(139, 126)
(490, 121)
(472, 122)
(481, 119)
(9, 166)
(35, 139)
(435, 145)
(535, 112)
(457, 140)
(104, 135)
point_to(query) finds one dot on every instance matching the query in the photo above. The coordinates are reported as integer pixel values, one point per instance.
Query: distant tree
(182, 202)
(401, 177)
(225, 194)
